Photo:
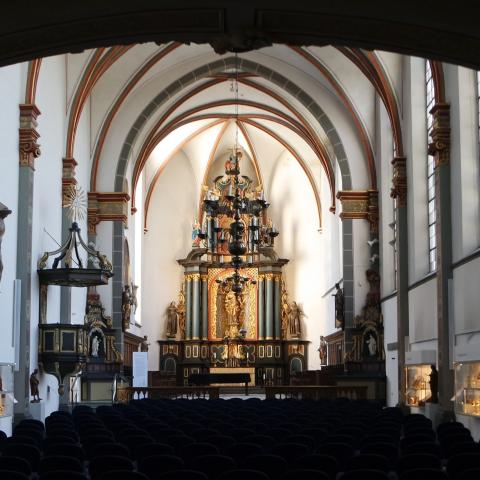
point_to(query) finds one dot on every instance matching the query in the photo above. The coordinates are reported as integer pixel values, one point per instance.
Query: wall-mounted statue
(339, 307)
(371, 344)
(285, 310)
(172, 320)
(181, 312)
(322, 350)
(4, 212)
(126, 307)
(144, 344)
(95, 346)
(134, 300)
(295, 320)
(34, 382)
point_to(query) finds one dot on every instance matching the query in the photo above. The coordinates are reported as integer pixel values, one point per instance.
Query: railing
(126, 394)
(305, 392)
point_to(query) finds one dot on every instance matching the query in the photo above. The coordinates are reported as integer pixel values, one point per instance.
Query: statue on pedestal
(172, 320)
(144, 344)
(126, 306)
(134, 301)
(322, 350)
(181, 312)
(371, 345)
(339, 307)
(95, 345)
(285, 311)
(295, 317)
(34, 382)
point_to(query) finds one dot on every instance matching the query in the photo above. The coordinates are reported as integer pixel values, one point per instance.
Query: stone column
(269, 308)
(29, 150)
(399, 192)
(196, 306)
(277, 310)
(117, 283)
(261, 307)
(204, 308)
(356, 205)
(188, 301)
(440, 147)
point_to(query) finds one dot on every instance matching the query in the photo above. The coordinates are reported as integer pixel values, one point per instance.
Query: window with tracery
(432, 213)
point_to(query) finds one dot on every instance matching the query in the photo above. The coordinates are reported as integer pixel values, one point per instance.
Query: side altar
(233, 309)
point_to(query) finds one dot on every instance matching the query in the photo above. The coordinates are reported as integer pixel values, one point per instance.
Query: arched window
(432, 214)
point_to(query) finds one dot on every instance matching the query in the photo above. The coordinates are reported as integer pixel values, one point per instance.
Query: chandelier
(235, 222)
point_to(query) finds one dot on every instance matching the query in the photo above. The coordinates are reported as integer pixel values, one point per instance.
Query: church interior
(263, 242)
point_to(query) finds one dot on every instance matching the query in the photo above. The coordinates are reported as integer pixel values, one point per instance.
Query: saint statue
(231, 310)
(172, 320)
(285, 311)
(433, 384)
(195, 232)
(126, 306)
(181, 312)
(144, 344)
(231, 305)
(339, 307)
(34, 382)
(295, 317)
(133, 300)
(372, 345)
(95, 345)
(322, 350)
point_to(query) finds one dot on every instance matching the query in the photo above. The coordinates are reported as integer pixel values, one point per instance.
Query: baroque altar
(233, 309)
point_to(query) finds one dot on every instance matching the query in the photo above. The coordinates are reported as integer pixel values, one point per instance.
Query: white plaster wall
(461, 93)
(11, 94)
(168, 239)
(47, 201)
(82, 174)
(384, 157)
(466, 300)
(422, 310)
(103, 243)
(332, 261)
(314, 258)
(361, 263)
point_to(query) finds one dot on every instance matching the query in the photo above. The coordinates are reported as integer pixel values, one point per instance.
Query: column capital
(440, 134)
(68, 177)
(399, 181)
(29, 149)
(360, 204)
(106, 206)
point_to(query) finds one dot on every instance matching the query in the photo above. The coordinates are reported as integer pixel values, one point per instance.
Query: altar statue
(232, 311)
(322, 350)
(172, 320)
(372, 345)
(195, 231)
(95, 345)
(339, 307)
(285, 311)
(126, 306)
(296, 314)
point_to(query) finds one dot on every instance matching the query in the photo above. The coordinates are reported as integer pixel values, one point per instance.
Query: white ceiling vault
(161, 102)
